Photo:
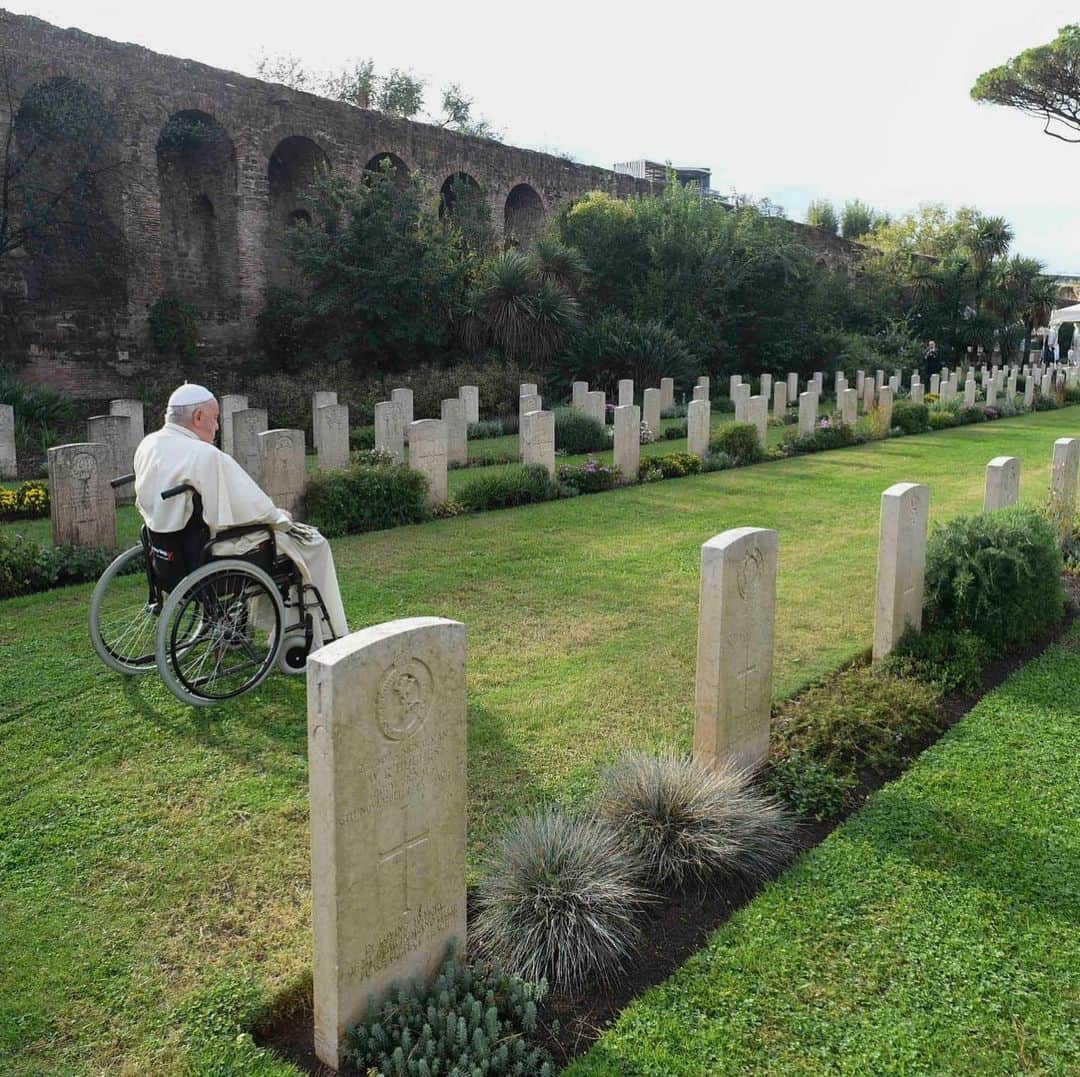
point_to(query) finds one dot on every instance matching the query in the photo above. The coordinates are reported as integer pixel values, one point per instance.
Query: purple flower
(825, 424)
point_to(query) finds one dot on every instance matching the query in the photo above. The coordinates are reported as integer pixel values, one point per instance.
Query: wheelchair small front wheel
(123, 616)
(219, 633)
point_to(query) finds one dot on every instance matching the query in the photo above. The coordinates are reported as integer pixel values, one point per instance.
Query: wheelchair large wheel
(220, 632)
(123, 619)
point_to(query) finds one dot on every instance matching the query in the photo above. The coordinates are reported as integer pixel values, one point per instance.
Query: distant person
(931, 361)
(1072, 355)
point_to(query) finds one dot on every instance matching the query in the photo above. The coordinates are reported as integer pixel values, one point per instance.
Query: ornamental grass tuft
(561, 900)
(683, 821)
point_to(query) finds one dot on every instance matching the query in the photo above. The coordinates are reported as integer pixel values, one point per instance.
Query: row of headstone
(654, 401)
(387, 739)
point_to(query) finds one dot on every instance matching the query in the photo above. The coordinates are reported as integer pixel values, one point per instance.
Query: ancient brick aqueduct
(206, 223)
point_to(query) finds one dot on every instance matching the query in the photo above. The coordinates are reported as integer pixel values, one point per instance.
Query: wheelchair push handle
(121, 480)
(175, 491)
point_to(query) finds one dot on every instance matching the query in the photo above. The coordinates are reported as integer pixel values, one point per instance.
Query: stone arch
(523, 215)
(197, 179)
(65, 191)
(295, 165)
(398, 169)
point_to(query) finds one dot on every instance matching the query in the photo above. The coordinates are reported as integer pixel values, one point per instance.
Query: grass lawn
(146, 847)
(934, 932)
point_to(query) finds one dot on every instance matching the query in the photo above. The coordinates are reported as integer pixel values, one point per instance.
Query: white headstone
(736, 613)
(1047, 388)
(229, 403)
(935, 382)
(626, 391)
(114, 432)
(387, 759)
(469, 395)
(404, 399)
(779, 400)
(807, 412)
(905, 510)
(283, 467)
(885, 406)
(538, 439)
(792, 387)
(1063, 476)
(704, 380)
(868, 394)
(819, 382)
(917, 393)
(580, 395)
(849, 407)
(528, 388)
(650, 413)
(701, 392)
(991, 394)
(81, 501)
(8, 460)
(860, 380)
(1029, 390)
(1002, 483)
(332, 423)
(247, 425)
(766, 386)
(879, 378)
(390, 429)
(598, 406)
(321, 398)
(457, 431)
(969, 393)
(427, 454)
(628, 440)
(667, 393)
(741, 399)
(759, 416)
(698, 423)
(135, 411)
(733, 381)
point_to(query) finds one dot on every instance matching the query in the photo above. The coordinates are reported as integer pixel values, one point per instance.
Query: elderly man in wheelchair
(227, 584)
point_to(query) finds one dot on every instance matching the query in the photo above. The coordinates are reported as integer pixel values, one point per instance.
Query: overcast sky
(789, 100)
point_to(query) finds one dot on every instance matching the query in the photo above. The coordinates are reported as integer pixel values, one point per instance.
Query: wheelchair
(213, 626)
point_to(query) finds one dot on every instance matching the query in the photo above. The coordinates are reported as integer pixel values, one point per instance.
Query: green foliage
(859, 219)
(1041, 81)
(486, 428)
(576, 432)
(40, 412)
(560, 901)
(941, 419)
(974, 414)
(372, 493)
(672, 465)
(518, 484)
(283, 330)
(821, 214)
(173, 327)
(591, 477)
(833, 436)
(385, 277)
(861, 717)
(361, 438)
(473, 1019)
(996, 575)
(950, 661)
(683, 821)
(27, 501)
(911, 418)
(808, 787)
(739, 441)
(675, 430)
(614, 345)
(27, 567)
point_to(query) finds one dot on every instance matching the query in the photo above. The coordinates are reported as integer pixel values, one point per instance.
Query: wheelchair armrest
(228, 533)
(121, 480)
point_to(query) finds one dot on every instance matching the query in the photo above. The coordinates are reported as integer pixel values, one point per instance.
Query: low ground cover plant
(474, 1018)
(576, 432)
(27, 567)
(518, 484)
(486, 428)
(672, 465)
(911, 418)
(589, 478)
(27, 501)
(739, 441)
(372, 493)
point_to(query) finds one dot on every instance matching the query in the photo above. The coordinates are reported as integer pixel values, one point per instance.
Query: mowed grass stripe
(184, 833)
(934, 932)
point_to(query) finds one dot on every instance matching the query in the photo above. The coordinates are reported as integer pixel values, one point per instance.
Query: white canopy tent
(1059, 317)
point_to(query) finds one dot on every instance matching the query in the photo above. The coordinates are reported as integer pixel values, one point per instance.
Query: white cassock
(175, 455)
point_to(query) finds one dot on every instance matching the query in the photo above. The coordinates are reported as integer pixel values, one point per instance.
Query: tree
(1043, 81)
(821, 214)
(858, 219)
(457, 115)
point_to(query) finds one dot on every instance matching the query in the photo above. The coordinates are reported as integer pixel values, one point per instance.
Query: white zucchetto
(189, 394)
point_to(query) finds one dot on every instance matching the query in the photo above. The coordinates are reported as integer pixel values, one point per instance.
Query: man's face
(205, 421)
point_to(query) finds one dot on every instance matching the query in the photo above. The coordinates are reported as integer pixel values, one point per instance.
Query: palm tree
(991, 240)
(562, 265)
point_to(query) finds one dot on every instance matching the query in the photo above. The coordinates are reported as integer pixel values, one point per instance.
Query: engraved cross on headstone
(402, 850)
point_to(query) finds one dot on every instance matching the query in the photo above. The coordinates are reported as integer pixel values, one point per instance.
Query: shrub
(950, 661)
(809, 787)
(576, 432)
(676, 411)
(675, 430)
(941, 419)
(672, 465)
(862, 717)
(1072, 394)
(487, 428)
(974, 414)
(560, 900)
(911, 418)
(362, 437)
(372, 493)
(588, 478)
(518, 484)
(716, 461)
(489, 456)
(739, 441)
(682, 820)
(27, 567)
(285, 331)
(173, 328)
(28, 501)
(997, 575)
(473, 1019)
(833, 436)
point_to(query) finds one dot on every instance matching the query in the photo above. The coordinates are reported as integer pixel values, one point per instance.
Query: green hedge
(371, 494)
(517, 484)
